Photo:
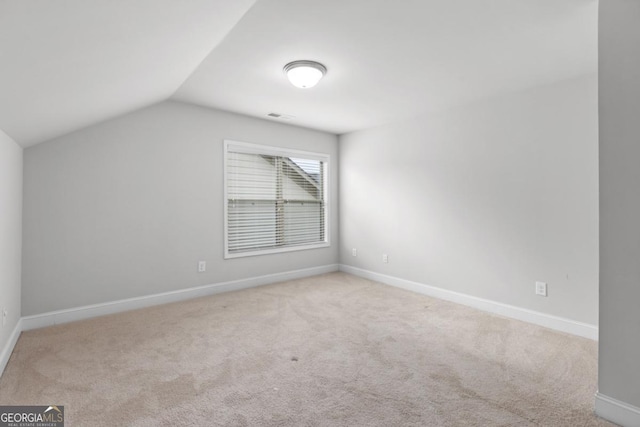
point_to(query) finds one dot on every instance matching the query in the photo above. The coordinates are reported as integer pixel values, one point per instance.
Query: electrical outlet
(385, 258)
(354, 252)
(202, 266)
(541, 289)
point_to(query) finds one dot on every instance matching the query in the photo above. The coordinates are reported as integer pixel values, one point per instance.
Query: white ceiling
(66, 64)
(390, 59)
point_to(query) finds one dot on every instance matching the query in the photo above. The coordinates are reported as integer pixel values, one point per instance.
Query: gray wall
(10, 233)
(126, 208)
(619, 33)
(485, 199)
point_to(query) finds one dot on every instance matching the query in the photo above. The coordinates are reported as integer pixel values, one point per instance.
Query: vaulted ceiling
(67, 64)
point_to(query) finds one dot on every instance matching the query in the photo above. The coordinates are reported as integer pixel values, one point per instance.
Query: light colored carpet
(331, 350)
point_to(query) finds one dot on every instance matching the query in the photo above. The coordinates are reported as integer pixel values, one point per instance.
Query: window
(275, 199)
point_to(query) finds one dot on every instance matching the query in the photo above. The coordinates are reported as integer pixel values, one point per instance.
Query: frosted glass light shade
(304, 74)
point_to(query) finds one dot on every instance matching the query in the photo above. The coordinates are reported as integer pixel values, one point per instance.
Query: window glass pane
(274, 201)
(303, 222)
(252, 224)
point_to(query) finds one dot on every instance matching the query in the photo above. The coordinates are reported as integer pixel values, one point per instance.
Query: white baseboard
(95, 310)
(90, 311)
(8, 348)
(617, 411)
(548, 321)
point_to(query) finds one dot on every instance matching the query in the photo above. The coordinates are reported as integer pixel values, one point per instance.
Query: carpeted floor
(330, 350)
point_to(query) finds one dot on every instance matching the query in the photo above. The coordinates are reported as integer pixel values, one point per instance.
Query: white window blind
(275, 199)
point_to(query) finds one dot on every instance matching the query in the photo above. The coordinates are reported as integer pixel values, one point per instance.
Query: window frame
(260, 149)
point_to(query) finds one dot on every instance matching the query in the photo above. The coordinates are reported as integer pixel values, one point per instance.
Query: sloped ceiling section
(392, 59)
(66, 64)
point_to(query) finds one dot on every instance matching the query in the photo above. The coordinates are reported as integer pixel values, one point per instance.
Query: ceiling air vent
(281, 116)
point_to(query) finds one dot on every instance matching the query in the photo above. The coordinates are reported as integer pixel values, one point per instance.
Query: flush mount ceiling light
(304, 74)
